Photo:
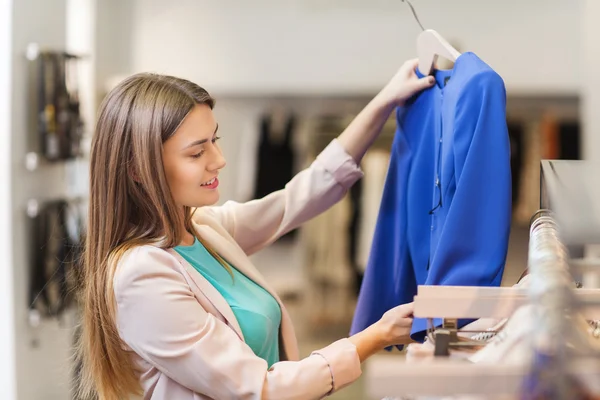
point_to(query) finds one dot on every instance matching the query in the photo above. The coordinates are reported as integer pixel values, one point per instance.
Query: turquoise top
(256, 311)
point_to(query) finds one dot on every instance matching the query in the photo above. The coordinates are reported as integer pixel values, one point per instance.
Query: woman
(173, 307)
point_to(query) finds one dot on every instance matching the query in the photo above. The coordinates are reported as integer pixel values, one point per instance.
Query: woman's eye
(198, 155)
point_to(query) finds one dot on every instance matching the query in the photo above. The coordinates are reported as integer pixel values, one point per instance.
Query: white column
(81, 40)
(8, 379)
(590, 102)
(590, 79)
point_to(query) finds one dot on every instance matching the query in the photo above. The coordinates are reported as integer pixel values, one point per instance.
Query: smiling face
(192, 159)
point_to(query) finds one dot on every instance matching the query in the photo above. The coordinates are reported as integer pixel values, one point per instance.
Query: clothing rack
(33, 51)
(551, 290)
(389, 376)
(33, 205)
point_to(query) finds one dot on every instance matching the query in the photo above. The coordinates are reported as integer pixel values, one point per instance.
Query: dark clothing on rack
(570, 141)
(276, 159)
(355, 198)
(516, 134)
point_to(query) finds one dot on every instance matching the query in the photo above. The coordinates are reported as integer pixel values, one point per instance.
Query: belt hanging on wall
(55, 254)
(59, 119)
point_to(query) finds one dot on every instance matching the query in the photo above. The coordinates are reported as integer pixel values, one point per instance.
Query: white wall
(113, 41)
(341, 46)
(8, 389)
(242, 50)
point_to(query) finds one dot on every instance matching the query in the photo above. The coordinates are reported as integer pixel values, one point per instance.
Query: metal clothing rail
(553, 293)
(33, 51)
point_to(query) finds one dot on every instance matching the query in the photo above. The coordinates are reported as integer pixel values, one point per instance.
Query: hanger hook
(414, 13)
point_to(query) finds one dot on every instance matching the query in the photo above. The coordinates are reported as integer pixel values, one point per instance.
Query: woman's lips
(212, 184)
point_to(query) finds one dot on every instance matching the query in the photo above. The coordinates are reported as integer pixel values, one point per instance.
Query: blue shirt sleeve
(383, 283)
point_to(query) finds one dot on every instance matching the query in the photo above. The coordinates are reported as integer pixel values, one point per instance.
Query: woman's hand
(405, 84)
(363, 130)
(396, 325)
(392, 329)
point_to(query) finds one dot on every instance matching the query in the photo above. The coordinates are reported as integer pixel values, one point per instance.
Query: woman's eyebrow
(198, 142)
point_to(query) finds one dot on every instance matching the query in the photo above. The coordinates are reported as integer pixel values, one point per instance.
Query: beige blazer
(182, 333)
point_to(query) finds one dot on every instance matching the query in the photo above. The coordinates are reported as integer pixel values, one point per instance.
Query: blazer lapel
(220, 240)
(211, 293)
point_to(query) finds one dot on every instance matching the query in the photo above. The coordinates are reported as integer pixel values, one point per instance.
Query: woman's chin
(208, 199)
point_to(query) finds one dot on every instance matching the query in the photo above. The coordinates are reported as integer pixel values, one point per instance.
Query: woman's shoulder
(208, 214)
(219, 218)
(141, 263)
(144, 254)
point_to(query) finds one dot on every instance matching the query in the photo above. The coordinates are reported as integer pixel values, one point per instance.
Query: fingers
(412, 63)
(424, 83)
(407, 309)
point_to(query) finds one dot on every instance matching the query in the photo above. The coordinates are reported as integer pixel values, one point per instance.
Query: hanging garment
(55, 253)
(549, 136)
(529, 191)
(515, 133)
(60, 124)
(374, 165)
(356, 195)
(445, 214)
(570, 140)
(247, 160)
(326, 257)
(275, 157)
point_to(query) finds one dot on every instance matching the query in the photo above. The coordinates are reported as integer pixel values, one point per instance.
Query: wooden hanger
(488, 302)
(430, 45)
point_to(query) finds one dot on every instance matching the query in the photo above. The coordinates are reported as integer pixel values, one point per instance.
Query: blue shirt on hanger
(445, 213)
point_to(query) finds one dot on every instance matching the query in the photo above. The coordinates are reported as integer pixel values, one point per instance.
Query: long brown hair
(130, 204)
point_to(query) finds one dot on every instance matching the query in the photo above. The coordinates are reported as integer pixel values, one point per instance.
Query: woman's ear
(132, 171)
(134, 176)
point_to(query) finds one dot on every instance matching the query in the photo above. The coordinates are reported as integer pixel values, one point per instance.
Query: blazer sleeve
(258, 223)
(159, 318)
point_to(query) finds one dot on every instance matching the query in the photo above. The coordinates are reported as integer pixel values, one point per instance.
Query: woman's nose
(217, 161)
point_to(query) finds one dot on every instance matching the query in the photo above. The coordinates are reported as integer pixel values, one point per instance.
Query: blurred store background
(288, 76)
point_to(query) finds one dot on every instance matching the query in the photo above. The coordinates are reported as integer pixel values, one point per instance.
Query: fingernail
(431, 80)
